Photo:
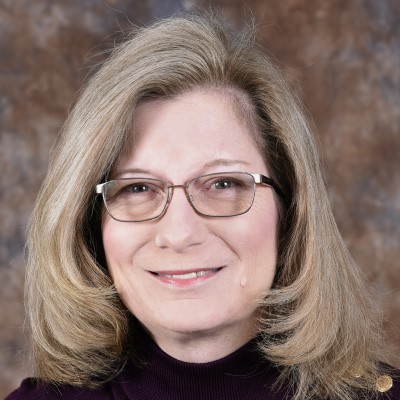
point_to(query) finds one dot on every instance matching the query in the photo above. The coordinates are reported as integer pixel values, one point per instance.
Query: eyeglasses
(223, 194)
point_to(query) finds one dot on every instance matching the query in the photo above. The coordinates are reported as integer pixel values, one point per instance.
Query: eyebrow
(207, 165)
(130, 171)
(223, 161)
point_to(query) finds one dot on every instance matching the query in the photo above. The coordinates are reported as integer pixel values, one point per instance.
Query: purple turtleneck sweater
(242, 375)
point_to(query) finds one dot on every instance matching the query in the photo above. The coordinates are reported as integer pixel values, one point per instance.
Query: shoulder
(33, 389)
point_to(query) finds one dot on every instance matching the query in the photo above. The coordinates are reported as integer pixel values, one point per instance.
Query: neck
(204, 346)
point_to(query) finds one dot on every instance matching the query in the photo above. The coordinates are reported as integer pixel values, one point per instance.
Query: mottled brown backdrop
(342, 56)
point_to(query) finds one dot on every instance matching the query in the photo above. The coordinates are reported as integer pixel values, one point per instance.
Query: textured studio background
(342, 56)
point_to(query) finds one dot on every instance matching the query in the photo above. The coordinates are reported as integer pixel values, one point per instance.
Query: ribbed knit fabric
(242, 375)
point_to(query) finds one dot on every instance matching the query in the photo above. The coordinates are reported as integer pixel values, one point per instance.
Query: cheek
(259, 251)
(258, 229)
(120, 246)
(112, 241)
(114, 249)
(121, 240)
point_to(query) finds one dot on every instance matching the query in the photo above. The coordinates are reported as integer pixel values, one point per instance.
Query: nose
(180, 227)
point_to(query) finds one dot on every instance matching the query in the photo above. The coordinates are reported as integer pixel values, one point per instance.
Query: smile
(185, 278)
(189, 275)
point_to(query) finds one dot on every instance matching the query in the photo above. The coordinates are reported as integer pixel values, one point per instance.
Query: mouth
(187, 277)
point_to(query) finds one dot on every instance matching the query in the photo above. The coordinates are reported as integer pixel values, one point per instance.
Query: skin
(175, 140)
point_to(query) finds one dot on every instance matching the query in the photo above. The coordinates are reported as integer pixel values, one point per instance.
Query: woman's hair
(318, 324)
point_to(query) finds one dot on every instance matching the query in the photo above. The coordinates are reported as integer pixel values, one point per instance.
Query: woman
(182, 245)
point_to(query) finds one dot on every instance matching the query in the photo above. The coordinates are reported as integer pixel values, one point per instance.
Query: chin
(196, 323)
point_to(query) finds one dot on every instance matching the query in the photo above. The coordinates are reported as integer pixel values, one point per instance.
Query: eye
(223, 184)
(134, 192)
(138, 188)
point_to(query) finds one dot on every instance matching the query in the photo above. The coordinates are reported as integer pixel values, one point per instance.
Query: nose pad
(169, 196)
(191, 202)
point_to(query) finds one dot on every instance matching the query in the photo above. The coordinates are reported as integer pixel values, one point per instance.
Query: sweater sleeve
(32, 389)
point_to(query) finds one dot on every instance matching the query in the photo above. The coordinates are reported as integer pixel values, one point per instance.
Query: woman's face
(176, 140)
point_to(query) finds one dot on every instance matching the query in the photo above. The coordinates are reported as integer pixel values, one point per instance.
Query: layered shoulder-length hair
(318, 323)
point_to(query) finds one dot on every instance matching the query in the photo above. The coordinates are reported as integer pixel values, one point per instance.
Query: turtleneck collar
(243, 374)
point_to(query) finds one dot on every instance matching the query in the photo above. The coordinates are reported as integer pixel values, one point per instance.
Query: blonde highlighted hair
(318, 323)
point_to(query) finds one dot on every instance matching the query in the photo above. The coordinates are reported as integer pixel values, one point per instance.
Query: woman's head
(158, 68)
(162, 62)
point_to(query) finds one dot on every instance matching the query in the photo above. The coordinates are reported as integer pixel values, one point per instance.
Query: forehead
(188, 132)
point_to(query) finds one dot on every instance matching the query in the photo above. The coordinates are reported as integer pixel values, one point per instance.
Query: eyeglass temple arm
(265, 180)
(99, 187)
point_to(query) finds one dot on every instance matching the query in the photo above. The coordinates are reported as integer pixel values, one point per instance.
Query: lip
(185, 278)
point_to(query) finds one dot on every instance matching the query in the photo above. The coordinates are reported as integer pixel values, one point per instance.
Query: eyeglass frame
(259, 179)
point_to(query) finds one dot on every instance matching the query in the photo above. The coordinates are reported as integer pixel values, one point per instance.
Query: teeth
(183, 276)
(190, 275)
